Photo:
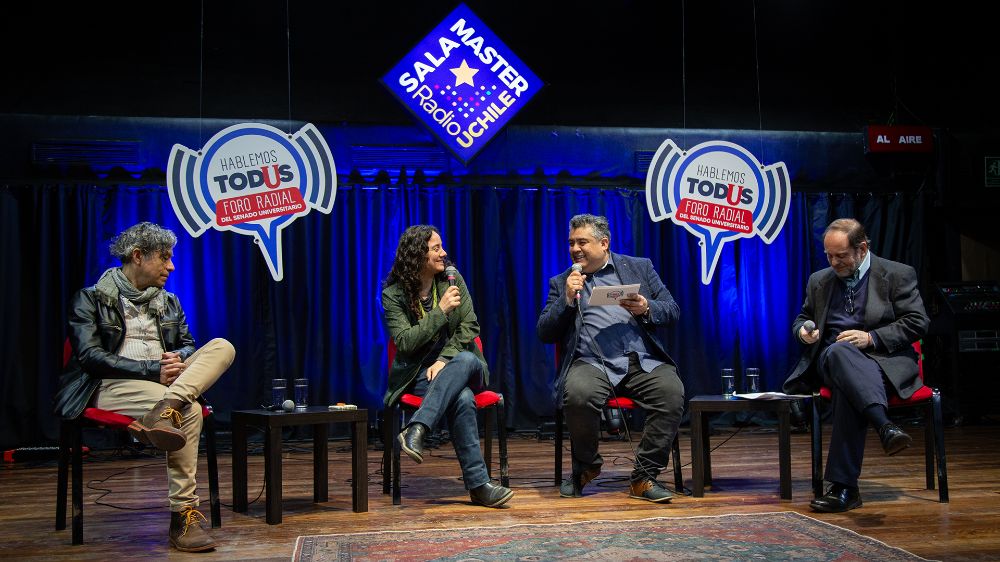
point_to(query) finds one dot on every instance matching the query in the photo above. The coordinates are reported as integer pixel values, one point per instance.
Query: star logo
(462, 83)
(463, 74)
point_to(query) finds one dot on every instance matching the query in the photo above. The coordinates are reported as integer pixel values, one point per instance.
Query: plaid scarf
(113, 284)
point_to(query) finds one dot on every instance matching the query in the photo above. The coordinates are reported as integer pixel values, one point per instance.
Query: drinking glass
(301, 394)
(728, 383)
(279, 391)
(752, 381)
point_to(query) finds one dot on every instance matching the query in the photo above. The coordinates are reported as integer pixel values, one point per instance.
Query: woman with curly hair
(434, 327)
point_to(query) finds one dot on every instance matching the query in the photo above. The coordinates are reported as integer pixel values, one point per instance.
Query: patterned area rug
(758, 536)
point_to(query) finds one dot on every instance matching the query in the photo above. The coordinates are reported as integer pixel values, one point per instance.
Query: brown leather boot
(186, 534)
(160, 427)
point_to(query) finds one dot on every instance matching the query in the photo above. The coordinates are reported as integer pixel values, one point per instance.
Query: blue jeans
(451, 394)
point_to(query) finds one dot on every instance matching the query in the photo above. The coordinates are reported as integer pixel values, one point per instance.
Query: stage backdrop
(323, 321)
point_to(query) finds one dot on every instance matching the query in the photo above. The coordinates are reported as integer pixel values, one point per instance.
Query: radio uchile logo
(252, 179)
(719, 192)
(462, 82)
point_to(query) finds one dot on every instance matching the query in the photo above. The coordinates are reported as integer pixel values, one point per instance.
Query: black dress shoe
(838, 499)
(411, 440)
(894, 439)
(490, 495)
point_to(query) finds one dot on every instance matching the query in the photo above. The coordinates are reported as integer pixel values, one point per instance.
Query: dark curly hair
(411, 255)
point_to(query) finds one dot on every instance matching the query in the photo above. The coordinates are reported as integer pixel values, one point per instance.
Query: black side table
(701, 462)
(271, 423)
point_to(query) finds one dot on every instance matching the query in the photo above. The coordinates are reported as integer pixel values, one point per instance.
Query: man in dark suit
(867, 312)
(609, 349)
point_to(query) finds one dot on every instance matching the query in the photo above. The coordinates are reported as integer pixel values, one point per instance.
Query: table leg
(272, 474)
(321, 474)
(359, 466)
(697, 451)
(706, 449)
(784, 453)
(239, 438)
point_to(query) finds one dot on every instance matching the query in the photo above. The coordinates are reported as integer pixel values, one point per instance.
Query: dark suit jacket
(894, 312)
(557, 322)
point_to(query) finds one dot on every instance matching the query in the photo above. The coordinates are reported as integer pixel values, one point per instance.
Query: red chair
(71, 452)
(925, 397)
(409, 402)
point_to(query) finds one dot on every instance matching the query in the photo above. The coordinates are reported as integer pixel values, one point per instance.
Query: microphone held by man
(577, 269)
(808, 334)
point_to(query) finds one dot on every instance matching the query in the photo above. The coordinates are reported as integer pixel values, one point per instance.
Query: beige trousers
(134, 398)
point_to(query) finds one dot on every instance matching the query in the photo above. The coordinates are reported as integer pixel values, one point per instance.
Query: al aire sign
(890, 138)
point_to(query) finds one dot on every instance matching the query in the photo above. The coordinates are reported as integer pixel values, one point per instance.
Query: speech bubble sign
(255, 180)
(719, 192)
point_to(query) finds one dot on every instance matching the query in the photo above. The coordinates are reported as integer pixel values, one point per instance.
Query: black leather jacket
(96, 332)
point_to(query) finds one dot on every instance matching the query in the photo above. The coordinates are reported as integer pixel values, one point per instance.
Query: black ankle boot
(411, 440)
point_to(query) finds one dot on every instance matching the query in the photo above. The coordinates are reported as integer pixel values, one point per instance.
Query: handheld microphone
(287, 406)
(809, 326)
(579, 269)
(451, 272)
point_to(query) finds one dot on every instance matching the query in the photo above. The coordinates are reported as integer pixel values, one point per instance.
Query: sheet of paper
(771, 396)
(610, 294)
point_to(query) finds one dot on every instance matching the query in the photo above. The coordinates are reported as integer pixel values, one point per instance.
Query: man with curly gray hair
(133, 354)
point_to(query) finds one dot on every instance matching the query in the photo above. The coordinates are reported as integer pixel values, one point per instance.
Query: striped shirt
(142, 339)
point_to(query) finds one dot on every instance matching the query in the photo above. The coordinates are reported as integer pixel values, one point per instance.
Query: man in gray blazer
(858, 321)
(619, 349)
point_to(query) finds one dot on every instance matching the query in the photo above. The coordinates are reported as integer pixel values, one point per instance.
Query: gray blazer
(894, 312)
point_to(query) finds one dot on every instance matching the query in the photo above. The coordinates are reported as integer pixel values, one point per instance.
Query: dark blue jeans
(451, 395)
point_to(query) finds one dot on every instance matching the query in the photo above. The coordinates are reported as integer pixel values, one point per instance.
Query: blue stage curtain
(323, 322)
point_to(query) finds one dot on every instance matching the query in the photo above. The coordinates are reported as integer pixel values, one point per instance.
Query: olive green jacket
(415, 337)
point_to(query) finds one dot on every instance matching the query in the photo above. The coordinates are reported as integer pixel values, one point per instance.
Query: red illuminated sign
(890, 138)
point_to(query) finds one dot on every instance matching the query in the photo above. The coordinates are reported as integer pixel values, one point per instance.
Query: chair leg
(396, 471)
(558, 439)
(76, 453)
(929, 463)
(817, 449)
(678, 475)
(65, 427)
(387, 443)
(488, 421)
(502, 435)
(942, 468)
(208, 427)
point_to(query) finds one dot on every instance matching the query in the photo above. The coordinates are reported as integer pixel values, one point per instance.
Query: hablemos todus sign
(252, 179)
(719, 192)
(462, 83)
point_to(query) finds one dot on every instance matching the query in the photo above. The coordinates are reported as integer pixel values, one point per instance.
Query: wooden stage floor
(897, 509)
